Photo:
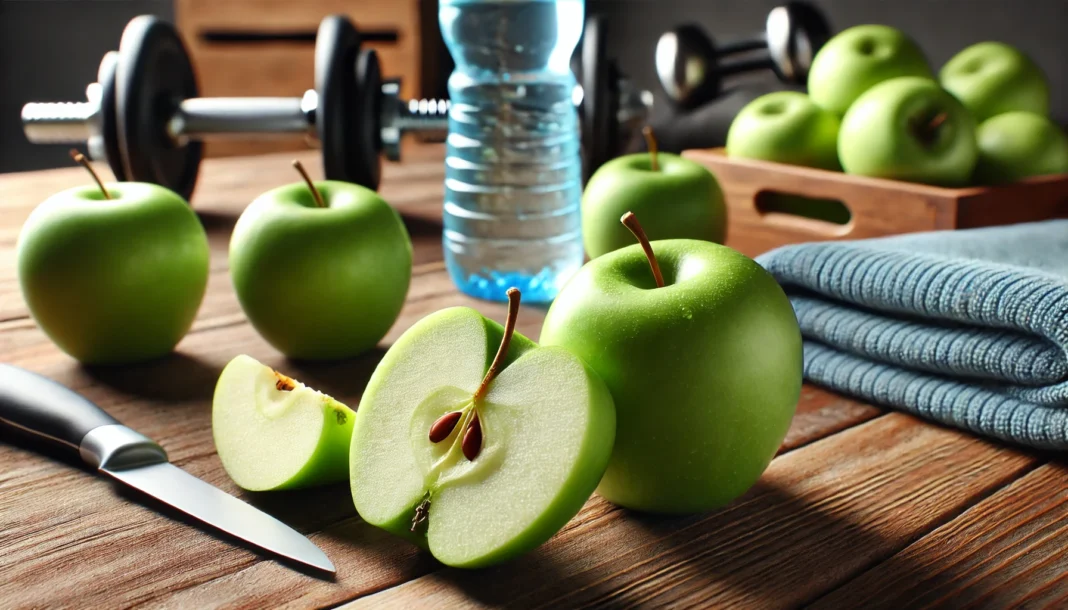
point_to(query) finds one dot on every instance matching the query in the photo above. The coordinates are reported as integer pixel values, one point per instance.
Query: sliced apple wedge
(478, 458)
(273, 432)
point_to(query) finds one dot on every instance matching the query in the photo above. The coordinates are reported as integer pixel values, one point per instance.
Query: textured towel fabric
(968, 328)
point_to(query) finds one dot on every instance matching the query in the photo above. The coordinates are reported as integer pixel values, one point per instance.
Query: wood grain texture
(852, 486)
(818, 516)
(879, 207)
(1007, 551)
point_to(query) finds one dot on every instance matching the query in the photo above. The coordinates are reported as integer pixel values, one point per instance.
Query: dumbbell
(144, 117)
(691, 67)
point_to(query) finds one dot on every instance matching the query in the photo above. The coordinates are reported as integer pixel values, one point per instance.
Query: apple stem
(311, 187)
(630, 221)
(502, 351)
(937, 121)
(650, 142)
(927, 132)
(80, 159)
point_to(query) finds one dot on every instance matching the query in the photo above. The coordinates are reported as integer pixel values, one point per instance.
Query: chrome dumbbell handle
(238, 117)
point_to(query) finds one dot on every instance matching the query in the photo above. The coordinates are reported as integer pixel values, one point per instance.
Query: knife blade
(52, 412)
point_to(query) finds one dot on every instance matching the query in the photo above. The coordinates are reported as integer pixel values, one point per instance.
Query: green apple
(909, 129)
(857, 59)
(705, 370)
(991, 78)
(679, 198)
(478, 461)
(1017, 145)
(273, 432)
(115, 278)
(321, 271)
(785, 127)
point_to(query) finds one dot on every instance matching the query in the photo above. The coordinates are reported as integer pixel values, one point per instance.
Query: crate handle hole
(822, 215)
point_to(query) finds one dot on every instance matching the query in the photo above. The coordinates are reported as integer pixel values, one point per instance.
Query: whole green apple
(679, 199)
(991, 78)
(910, 129)
(857, 59)
(1016, 145)
(113, 280)
(705, 372)
(785, 127)
(321, 281)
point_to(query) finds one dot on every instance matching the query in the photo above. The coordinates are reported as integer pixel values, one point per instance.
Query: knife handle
(51, 412)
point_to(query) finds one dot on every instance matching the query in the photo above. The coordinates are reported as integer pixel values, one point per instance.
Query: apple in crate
(1017, 145)
(857, 59)
(273, 432)
(478, 457)
(909, 129)
(703, 361)
(991, 78)
(785, 127)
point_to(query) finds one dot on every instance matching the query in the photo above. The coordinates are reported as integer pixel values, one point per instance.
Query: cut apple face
(273, 432)
(478, 461)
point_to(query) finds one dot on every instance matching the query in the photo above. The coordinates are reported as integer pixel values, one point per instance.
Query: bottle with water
(513, 168)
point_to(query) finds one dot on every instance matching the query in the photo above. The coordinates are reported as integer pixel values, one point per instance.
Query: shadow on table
(176, 377)
(770, 549)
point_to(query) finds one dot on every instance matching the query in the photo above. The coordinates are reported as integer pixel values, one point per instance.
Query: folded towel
(968, 328)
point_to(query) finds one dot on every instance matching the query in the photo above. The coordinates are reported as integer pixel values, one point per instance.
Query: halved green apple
(273, 432)
(478, 458)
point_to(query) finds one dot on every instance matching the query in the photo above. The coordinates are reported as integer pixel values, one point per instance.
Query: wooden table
(863, 506)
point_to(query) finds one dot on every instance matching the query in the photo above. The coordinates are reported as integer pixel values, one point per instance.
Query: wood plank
(1008, 551)
(819, 516)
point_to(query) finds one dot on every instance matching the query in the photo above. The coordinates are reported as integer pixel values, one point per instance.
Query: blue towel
(968, 328)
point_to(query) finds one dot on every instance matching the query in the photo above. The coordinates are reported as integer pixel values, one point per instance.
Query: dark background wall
(50, 49)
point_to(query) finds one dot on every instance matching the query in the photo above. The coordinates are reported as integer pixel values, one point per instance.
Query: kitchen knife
(54, 413)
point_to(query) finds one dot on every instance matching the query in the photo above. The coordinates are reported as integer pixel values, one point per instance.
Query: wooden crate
(877, 207)
(281, 62)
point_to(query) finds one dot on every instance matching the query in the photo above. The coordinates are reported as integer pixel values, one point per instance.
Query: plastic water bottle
(513, 167)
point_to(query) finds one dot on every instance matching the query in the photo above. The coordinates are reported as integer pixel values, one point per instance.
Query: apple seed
(442, 428)
(283, 383)
(472, 443)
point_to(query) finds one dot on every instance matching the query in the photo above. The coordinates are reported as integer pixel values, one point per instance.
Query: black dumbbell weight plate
(153, 75)
(346, 119)
(108, 123)
(598, 107)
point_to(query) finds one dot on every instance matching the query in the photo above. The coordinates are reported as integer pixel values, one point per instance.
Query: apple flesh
(321, 283)
(547, 424)
(272, 432)
(680, 199)
(785, 127)
(992, 78)
(909, 129)
(705, 372)
(858, 58)
(1018, 145)
(113, 281)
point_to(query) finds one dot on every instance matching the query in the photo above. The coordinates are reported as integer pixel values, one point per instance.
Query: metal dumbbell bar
(144, 117)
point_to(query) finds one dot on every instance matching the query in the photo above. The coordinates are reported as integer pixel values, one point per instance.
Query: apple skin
(682, 200)
(785, 127)
(878, 138)
(991, 78)
(114, 281)
(321, 283)
(858, 58)
(705, 372)
(1017, 145)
